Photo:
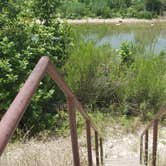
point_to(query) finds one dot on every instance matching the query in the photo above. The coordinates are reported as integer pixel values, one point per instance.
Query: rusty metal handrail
(16, 110)
(154, 123)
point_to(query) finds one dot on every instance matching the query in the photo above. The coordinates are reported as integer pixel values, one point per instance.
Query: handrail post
(155, 134)
(153, 123)
(97, 148)
(101, 150)
(88, 134)
(73, 130)
(146, 147)
(141, 149)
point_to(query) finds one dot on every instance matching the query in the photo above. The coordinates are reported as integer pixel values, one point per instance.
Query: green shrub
(107, 13)
(139, 5)
(98, 7)
(75, 9)
(144, 14)
(126, 54)
(153, 5)
(131, 12)
(22, 43)
(45, 10)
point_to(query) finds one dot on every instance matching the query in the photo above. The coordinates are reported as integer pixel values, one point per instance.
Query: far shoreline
(114, 20)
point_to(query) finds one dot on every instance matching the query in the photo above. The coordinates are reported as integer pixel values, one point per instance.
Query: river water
(148, 36)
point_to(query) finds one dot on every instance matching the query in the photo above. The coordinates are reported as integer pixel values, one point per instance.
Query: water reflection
(116, 40)
(145, 36)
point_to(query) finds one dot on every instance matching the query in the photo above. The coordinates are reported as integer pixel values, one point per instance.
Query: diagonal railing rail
(16, 110)
(144, 141)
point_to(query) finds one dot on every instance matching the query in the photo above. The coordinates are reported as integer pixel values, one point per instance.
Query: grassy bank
(129, 81)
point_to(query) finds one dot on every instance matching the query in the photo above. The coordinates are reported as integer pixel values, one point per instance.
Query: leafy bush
(98, 7)
(22, 43)
(75, 9)
(45, 10)
(107, 13)
(153, 5)
(126, 54)
(145, 14)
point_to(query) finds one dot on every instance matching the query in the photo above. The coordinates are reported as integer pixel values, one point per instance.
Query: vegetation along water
(120, 68)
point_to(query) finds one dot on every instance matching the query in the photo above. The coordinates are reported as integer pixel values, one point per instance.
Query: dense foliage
(22, 42)
(111, 8)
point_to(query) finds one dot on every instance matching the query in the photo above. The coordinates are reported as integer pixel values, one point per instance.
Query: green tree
(2, 4)
(22, 43)
(163, 4)
(153, 5)
(119, 3)
(45, 10)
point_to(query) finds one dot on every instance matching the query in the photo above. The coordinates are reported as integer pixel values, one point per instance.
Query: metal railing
(144, 141)
(16, 110)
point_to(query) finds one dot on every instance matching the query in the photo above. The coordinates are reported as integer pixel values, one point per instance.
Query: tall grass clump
(83, 71)
(143, 82)
(145, 89)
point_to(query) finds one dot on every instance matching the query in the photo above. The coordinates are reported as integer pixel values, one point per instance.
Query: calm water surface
(147, 36)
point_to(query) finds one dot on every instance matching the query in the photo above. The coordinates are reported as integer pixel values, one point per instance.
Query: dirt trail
(121, 149)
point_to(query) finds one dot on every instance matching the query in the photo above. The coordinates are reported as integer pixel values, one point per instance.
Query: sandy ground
(114, 20)
(121, 148)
